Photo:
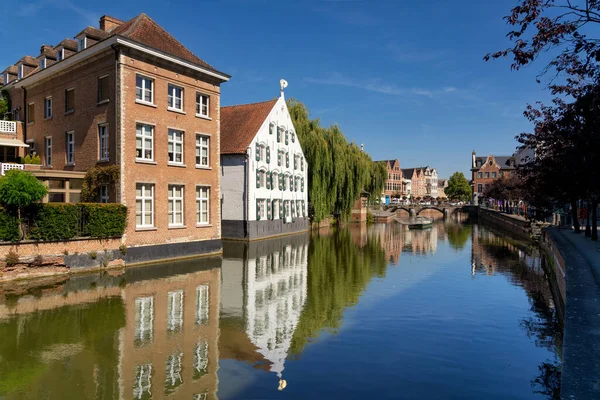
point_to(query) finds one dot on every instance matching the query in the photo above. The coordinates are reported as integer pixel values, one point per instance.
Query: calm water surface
(453, 312)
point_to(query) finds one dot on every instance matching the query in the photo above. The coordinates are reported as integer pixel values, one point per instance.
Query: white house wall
(233, 186)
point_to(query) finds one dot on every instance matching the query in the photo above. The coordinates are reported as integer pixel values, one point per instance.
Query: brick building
(131, 95)
(393, 185)
(424, 181)
(487, 169)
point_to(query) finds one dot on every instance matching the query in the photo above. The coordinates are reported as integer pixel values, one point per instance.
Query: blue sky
(406, 78)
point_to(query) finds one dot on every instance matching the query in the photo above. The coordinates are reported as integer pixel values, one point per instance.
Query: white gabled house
(263, 172)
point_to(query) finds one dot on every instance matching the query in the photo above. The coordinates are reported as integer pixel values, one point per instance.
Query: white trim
(174, 88)
(142, 101)
(200, 199)
(171, 198)
(174, 141)
(143, 199)
(143, 148)
(106, 140)
(200, 147)
(46, 108)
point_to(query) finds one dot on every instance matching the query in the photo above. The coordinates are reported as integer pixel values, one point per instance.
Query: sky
(405, 78)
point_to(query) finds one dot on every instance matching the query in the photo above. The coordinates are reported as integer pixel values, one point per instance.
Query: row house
(393, 185)
(486, 170)
(128, 94)
(424, 181)
(441, 187)
(264, 172)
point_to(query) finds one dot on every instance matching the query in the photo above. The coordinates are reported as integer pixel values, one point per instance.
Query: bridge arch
(442, 210)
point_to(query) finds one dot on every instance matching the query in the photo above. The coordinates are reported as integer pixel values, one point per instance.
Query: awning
(12, 142)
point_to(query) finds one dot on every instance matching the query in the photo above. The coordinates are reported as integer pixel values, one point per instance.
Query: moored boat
(421, 223)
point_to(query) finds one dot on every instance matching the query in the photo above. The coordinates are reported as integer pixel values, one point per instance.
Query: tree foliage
(338, 170)
(4, 104)
(458, 187)
(508, 187)
(96, 177)
(20, 189)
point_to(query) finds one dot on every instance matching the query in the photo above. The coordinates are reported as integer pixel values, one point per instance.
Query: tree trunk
(575, 217)
(588, 229)
(594, 222)
(21, 229)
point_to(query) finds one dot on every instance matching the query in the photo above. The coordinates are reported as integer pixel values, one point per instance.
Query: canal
(458, 311)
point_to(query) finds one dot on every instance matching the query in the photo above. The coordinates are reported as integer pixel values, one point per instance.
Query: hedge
(54, 221)
(9, 226)
(103, 220)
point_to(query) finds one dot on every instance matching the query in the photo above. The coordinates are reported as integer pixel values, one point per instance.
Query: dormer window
(20, 72)
(6, 78)
(43, 63)
(82, 43)
(60, 54)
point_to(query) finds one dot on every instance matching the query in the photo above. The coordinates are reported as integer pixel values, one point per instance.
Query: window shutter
(268, 180)
(284, 183)
(257, 210)
(273, 209)
(287, 160)
(302, 185)
(269, 213)
(278, 135)
(257, 152)
(271, 128)
(295, 162)
(257, 179)
(302, 164)
(286, 137)
(280, 181)
(279, 158)
(268, 154)
(293, 211)
(280, 209)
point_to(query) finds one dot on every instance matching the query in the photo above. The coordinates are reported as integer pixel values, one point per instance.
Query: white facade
(277, 170)
(431, 182)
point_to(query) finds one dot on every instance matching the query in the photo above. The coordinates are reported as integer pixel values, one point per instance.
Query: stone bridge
(445, 210)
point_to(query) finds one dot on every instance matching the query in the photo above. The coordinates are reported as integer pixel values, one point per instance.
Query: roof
(11, 69)
(67, 44)
(28, 60)
(408, 172)
(503, 161)
(94, 33)
(144, 30)
(391, 162)
(240, 124)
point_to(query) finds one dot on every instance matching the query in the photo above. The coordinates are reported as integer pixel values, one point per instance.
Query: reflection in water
(164, 331)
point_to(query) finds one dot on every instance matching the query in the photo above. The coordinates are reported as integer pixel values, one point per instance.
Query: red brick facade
(486, 170)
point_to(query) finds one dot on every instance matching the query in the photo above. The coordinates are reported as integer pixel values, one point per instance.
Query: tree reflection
(458, 235)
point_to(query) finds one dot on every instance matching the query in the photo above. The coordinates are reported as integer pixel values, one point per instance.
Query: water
(452, 312)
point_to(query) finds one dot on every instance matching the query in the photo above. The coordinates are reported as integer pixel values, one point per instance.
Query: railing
(9, 166)
(8, 126)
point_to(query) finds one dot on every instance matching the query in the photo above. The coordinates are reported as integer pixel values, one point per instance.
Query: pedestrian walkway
(581, 340)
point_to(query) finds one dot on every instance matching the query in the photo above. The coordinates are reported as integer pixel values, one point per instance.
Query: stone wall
(251, 230)
(514, 224)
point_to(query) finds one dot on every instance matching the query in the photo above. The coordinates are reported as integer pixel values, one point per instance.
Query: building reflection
(265, 285)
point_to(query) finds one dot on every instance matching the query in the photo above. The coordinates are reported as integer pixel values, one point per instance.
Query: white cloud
(34, 8)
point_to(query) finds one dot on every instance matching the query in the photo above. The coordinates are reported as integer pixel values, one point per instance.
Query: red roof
(240, 124)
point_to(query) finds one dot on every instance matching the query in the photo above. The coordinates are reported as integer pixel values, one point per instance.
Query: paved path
(581, 340)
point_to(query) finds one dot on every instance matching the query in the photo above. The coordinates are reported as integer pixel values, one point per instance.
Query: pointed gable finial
(282, 85)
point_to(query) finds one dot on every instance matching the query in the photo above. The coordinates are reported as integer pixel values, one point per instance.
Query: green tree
(458, 187)
(4, 104)
(19, 189)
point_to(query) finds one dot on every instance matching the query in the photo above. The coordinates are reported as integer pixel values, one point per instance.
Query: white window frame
(70, 148)
(144, 310)
(48, 107)
(60, 54)
(103, 195)
(172, 88)
(48, 150)
(144, 89)
(6, 78)
(143, 139)
(82, 43)
(146, 187)
(43, 63)
(202, 304)
(20, 72)
(199, 147)
(103, 146)
(202, 201)
(173, 140)
(175, 305)
(200, 104)
(172, 199)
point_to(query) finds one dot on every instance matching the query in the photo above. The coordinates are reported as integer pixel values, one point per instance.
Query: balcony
(4, 167)
(8, 127)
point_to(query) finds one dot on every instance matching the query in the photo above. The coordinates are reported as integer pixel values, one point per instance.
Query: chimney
(108, 23)
(473, 159)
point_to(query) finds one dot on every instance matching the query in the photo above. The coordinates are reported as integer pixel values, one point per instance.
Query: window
(82, 43)
(144, 142)
(202, 147)
(48, 107)
(6, 78)
(144, 89)
(202, 103)
(143, 382)
(202, 299)
(69, 100)
(48, 148)
(60, 54)
(175, 311)
(70, 148)
(144, 319)
(487, 174)
(103, 88)
(103, 195)
(479, 188)
(202, 204)
(30, 113)
(43, 63)
(493, 174)
(103, 142)
(20, 72)
(175, 146)
(480, 174)
(144, 205)
(175, 205)
(176, 97)
(200, 360)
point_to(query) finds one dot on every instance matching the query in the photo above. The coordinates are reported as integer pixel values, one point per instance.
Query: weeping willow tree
(338, 171)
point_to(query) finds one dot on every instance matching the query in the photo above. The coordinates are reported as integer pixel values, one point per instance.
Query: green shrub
(54, 221)
(9, 226)
(11, 259)
(32, 159)
(103, 220)
(370, 219)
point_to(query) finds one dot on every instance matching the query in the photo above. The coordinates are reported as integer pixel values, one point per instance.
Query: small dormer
(60, 53)
(89, 37)
(20, 71)
(81, 42)
(47, 56)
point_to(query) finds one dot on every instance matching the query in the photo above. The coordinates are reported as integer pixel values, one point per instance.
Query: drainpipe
(25, 114)
(247, 179)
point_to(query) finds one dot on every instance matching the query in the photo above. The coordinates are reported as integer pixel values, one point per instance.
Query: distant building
(393, 185)
(264, 172)
(442, 185)
(486, 170)
(423, 181)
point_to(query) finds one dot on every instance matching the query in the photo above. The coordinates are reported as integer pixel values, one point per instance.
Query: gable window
(70, 148)
(30, 113)
(103, 142)
(202, 203)
(480, 174)
(48, 150)
(103, 89)
(144, 205)
(493, 174)
(175, 98)
(487, 175)
(103, 195)
(202, 149)
(144, 89)
(175, 146)
(48, 107)
(82, 43)
(202, 104)
(69, 100)
(144, 142)
(175, 205)
(479, 188)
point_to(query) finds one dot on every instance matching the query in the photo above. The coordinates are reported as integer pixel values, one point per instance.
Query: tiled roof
(239, 125)
(391, 162)
(12, 69)
(28, 60)
(94, 33)
(408, 172)
(1, 79)
(144, 30)
(503, 161)
(68, 44)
